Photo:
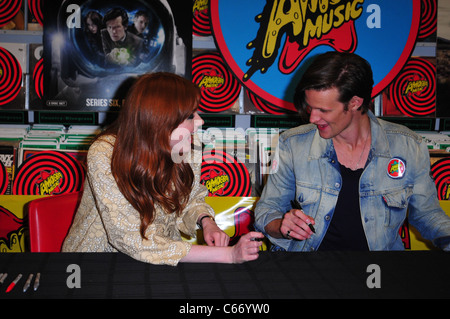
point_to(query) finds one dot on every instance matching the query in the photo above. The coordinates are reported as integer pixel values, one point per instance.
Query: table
(275, 275)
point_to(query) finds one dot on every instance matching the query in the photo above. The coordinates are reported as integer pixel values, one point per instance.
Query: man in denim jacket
(356, 177)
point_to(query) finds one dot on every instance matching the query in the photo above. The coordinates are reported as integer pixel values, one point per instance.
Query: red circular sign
(224, 175)
(413, 91)
(38, 78)
(8, 10)
(49, 172)
(3, 179)
(219, 87)
(36, 9)
(440, 171)
(201, 26)
(11, 76)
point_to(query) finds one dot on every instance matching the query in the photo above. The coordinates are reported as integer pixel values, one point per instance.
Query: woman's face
(181, 137)
(91, 26)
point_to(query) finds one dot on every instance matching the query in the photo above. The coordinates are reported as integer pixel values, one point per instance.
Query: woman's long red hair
(141, 161)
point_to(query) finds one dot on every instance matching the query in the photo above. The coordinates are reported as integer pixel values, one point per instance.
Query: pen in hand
(295, 204)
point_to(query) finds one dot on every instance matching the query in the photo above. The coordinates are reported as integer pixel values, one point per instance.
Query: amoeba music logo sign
(267, 43)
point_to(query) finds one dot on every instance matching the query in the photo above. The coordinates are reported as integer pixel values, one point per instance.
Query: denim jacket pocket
(308, 196)
(396, 202)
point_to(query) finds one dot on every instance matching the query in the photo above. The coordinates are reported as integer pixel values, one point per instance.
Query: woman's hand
(213, 235)
(247, 248)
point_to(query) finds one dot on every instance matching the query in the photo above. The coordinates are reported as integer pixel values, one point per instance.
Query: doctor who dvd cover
(94, 49)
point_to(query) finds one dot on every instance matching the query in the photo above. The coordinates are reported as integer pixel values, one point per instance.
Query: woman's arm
(212, 234)
(196, 209)
(246, 249)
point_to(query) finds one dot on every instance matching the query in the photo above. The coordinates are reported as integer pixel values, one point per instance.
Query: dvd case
(93, 50)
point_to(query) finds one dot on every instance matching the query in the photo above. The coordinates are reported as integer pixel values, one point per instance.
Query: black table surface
(280, 275)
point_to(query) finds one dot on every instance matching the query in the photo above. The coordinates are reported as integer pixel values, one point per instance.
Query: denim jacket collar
(380, 143)
(323, 148)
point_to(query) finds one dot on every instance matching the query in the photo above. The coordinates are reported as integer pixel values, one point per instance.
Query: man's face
(140, 23)
(115, 29)
(327, 113)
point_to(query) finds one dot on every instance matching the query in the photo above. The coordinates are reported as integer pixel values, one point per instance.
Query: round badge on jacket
(396, 168)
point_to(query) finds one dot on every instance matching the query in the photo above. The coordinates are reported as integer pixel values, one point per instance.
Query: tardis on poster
(268, 43)
(93, 49)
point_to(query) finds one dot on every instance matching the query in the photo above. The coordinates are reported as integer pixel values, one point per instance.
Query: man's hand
(293, 225)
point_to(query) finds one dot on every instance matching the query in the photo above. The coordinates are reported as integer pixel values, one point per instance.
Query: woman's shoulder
(103, 144)
(104, 141)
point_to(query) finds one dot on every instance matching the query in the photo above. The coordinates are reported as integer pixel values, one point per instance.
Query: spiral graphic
(219, 87)
(413, 90)
(428, 19)
(263, 106)
(440, 171)
(267, 107)
(38, 78)
(224, 175)
(3, 179)
(11, 76)
(36, 9)
(8, 10)
(201, 26)
(49, 172)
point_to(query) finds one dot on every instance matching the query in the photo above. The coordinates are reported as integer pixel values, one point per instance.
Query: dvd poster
(93, 50)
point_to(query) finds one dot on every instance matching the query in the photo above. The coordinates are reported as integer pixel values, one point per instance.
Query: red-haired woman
(142, 187)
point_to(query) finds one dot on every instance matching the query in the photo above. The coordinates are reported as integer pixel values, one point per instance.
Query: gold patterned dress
(107, 222)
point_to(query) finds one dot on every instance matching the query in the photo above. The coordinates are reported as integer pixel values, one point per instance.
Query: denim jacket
(308, 170)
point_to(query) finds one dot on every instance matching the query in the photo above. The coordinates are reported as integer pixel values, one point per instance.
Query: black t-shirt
(345, 231)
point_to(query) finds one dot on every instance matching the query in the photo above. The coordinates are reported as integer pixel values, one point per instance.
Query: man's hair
(348, 72)
(114, 13)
